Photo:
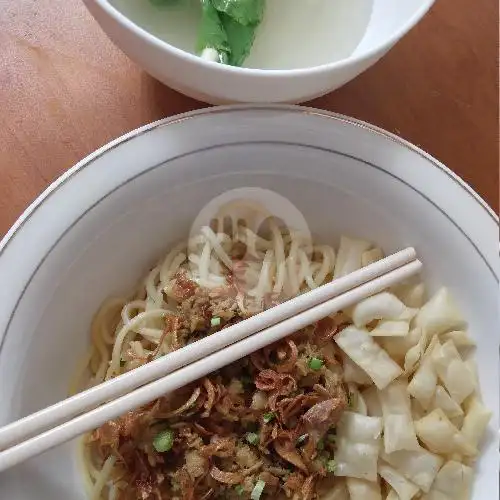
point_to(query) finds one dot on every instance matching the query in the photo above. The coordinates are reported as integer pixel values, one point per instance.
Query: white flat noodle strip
(366, 353)
(363, 490)
(370, 396)
(360, 428)
(353, 373)
(358, 404)
(414, 354)
(475, 421)
(460, 338)
(397, 347)
(349, 255)
(423, 384)
(358, 444)
(356, 459)
(391, 328)
(453, 482)
(399, 431)
(453, 371)
(381, 306)
(413, 295)
(440, 436)
(420, 466)
(472, 367)
(444, 401)
(440, 314)
(404, 488)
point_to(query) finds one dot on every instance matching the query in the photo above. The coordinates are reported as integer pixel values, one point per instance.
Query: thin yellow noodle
(167, 262)
(263, 284)
(127, 309)
(114, 365)
(150, 283)
(219, 251)
(326, 264)
(85, 464)
(103, 477)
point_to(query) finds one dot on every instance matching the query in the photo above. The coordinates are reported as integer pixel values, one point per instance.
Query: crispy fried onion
(307, 489)
(172, 323)
(188, 405)
(291, 407)
(226, 477)
(219, 447)
(320, 417)
(287, 451)
(278, 384)
(286, 354)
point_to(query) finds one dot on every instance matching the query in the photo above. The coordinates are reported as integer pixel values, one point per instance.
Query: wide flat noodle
(453, 482)
(440, 436)
(405, 489)
(475, 421)
(363, 490)
(445, 402)
(399, 431)
(390, 328)
(420, 466)
(349, 255)
(381, 306)
(365, 352)
(453, 371)
(358, 444)
(423, 384)
(353, 373)
(370, 396)
(440, 314)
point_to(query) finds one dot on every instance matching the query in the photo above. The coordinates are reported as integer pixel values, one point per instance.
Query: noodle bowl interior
(362, 404)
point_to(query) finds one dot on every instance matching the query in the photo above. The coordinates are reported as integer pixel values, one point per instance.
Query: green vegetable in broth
(227, 28)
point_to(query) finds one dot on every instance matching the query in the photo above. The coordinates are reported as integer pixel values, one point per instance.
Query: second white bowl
(387, 23)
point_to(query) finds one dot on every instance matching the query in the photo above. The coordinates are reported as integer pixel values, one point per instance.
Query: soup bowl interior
(98, 230)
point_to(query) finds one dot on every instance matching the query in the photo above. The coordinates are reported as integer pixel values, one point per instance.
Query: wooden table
(65, 90)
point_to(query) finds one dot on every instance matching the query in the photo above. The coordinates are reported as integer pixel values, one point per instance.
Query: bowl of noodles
(194, 223)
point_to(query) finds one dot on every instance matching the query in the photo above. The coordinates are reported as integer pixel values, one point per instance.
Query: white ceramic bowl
(218, 84)
(98, 228)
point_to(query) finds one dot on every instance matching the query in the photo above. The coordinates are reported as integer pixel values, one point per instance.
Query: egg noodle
(360, 405)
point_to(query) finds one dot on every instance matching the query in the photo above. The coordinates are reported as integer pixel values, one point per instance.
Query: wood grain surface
(66, 90)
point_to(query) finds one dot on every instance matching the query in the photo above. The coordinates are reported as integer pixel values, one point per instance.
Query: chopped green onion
(301, 439)
(163, 441)
(321, 445)
(315, 364)
(350, 399)
(331, 438)
(331, 466)
(239, 489)
(258, 489)
(267, 417)
(252, 437)
(215, 321)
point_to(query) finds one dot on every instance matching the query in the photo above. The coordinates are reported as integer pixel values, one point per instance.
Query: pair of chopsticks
(90, 409)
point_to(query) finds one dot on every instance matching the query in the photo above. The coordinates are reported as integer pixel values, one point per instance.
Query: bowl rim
(151, 39)
(172, 120)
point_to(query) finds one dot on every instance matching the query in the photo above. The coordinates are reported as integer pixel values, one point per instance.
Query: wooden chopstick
(250, 335)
